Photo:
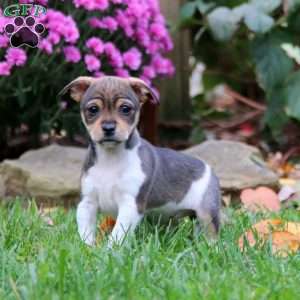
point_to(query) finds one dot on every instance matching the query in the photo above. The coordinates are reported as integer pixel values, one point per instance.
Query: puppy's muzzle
(109, 128)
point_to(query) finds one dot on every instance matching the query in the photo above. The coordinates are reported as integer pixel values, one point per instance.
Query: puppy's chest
(111, 181)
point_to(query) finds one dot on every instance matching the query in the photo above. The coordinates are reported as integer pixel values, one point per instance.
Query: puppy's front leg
(86, 219)
(127, 220)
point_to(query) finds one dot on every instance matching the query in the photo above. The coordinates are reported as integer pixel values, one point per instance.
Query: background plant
(83, 37)
(252, 46)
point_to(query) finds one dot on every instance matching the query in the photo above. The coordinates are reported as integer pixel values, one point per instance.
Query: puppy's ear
(77, 87)
(143, 91)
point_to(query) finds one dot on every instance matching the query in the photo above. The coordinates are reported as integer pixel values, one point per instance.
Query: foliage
(253, 46)
(90, 37)
(39, 261)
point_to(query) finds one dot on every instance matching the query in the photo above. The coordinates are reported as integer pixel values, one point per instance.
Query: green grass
(50, 262)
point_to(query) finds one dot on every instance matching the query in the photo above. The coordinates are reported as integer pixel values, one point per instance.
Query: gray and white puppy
(123, 174)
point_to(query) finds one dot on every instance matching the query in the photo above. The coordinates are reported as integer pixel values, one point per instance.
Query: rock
(50, 174)
(237, 165)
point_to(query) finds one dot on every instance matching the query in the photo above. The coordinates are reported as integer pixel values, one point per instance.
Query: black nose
(109, 127)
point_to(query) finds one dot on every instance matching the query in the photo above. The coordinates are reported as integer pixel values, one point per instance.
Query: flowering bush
(83, 37)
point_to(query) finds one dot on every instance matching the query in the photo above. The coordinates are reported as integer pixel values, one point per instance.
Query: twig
(244, 99)
(232, 124)
(285, 7)
(289, 153)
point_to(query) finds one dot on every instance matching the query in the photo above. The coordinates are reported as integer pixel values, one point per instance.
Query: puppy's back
(169, 175)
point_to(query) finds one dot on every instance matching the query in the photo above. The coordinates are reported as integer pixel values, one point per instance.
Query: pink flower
(162, 65)
(114, 55)
(122, 73)
(92, 4)
(149, 72)
(94, 22)
(72, 54)
(158, 30)
(132, 58)
(99, 74)
(143, 38)
(46, 46)
(4, 41)
(109, 23)
(92, 62)
(53, 38)
(16, 57)
(60, 26)
(5, 68)
(95, 44)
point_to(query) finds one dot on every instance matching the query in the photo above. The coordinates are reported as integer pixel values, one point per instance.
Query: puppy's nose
(109, 127)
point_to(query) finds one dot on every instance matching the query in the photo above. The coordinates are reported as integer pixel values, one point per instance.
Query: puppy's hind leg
(208, 212)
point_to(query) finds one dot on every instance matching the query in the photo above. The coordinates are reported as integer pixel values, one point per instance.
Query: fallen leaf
(293, 228)
(274, 161)
(286, 192)
(226, 200)
(105, 227)
(44, 214)
(247, 129)
(259, 230)
(284, 242)
(107, 224)
(284, 236)
(287, 181)
(262, 198)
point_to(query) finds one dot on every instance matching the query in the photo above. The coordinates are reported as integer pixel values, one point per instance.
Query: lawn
(39, 261)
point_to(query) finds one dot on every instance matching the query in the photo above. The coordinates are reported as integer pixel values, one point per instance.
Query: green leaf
(292, 94)
(204, 7)
(223, 23)
(275, 117)
(292, 5)
(272, 65)
(292, 51)
(187, 11)
(257, 21)
(266, 6)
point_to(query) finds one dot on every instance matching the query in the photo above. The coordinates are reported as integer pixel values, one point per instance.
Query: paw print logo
(24, 31)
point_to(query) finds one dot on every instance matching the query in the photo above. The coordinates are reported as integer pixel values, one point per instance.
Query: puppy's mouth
(109, 140)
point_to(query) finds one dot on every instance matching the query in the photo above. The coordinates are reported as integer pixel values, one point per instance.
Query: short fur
(126, 176)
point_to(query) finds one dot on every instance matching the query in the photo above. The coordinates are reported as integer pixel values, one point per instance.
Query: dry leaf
(262, 198)
(285, 193)
(107, 224)
(284, 236)
(105, 227)
(258, 230)
(287, 181)
(284, 242)
(226, 199)
(274, 161)
(44, 214)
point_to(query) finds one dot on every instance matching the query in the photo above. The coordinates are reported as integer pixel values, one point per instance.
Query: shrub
(83, 37)
(252, 46)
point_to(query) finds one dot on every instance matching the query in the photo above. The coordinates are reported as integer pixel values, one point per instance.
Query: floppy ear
(143, 91)
(77, 87)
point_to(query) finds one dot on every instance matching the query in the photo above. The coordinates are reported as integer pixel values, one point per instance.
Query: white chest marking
(113, 177)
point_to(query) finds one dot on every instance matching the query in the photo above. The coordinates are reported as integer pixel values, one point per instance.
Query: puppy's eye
(125, 109)
(93, 110)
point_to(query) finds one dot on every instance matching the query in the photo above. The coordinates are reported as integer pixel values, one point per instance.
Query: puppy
(124, 175)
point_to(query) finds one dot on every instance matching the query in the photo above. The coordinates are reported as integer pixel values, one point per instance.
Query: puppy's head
(110, 106)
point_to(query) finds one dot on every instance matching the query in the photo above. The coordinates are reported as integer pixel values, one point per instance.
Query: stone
(50, 175)
(237, 165)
